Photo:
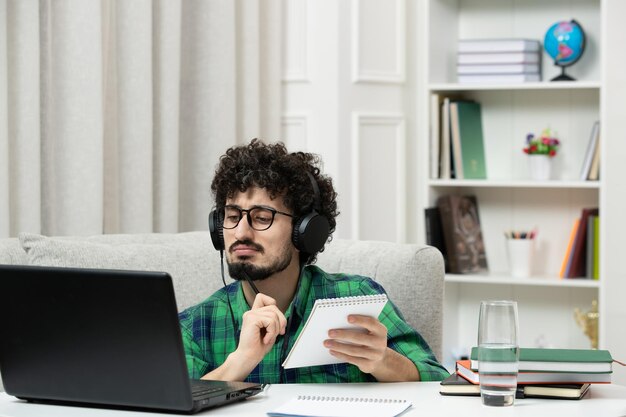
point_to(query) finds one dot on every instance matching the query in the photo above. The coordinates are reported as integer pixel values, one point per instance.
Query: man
(262, 193)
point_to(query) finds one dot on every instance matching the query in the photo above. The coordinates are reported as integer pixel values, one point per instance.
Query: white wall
(346, 90)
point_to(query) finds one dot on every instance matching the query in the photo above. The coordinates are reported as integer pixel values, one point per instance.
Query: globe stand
(565, 43)
(563, 76)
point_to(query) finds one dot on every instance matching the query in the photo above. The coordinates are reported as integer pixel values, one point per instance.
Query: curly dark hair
(272, 167)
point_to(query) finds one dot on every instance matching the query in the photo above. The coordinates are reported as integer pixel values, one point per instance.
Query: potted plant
(541, 150)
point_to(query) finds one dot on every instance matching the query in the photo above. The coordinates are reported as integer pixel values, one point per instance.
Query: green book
(467, 128)
(590, 245)
(559, 360)
(596, 248)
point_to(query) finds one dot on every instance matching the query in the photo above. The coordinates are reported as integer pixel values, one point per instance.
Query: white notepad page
(329, 313)
(329, 406)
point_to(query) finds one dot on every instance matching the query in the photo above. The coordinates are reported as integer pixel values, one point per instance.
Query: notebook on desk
(105, 338)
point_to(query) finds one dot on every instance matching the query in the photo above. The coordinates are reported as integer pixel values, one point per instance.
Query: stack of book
(549, 373)
(499, 61)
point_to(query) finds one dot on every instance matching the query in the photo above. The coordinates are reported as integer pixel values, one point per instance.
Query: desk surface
(601, 400)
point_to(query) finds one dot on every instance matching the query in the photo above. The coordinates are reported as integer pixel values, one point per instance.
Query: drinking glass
(498, 352)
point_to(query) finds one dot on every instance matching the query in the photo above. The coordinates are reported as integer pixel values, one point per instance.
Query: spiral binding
(353, 300)
(350, 399)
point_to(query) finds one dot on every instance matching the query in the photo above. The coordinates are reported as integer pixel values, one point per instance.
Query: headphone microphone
(310, 232)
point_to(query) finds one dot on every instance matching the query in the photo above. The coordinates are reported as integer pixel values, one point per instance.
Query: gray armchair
(411, 274)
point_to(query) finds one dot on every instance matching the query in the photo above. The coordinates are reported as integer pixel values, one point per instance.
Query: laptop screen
(94, 336)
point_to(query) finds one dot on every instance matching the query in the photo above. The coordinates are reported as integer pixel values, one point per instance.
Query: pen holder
(520, 253)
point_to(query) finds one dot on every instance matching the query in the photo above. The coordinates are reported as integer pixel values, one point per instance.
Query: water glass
(498, 352)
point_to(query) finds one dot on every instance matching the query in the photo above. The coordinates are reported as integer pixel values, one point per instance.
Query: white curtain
(113, 113)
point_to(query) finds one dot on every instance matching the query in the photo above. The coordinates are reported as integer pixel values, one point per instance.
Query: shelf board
(514, 184)
(504, 279)
(545, 85)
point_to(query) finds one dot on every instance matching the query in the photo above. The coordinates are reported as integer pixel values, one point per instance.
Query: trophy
(588, 321)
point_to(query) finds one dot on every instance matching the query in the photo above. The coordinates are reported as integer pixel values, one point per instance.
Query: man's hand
(261, 326)
(368, 350)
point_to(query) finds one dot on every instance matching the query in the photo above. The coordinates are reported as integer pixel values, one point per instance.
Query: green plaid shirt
(209, 336)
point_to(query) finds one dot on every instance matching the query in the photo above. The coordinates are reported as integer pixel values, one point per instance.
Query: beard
(238, 270)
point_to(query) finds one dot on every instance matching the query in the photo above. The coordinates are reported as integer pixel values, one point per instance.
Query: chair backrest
(411, 274)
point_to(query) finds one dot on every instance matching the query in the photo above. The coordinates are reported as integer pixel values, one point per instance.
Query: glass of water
(498, 352)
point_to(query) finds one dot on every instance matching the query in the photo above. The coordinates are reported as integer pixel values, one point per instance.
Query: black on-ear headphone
(310, 231)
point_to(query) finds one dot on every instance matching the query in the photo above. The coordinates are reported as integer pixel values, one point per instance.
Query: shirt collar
(300, 300)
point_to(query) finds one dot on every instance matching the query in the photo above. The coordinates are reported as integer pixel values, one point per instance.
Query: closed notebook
(559, 360)
(329, 313)
(341, 406)
(456, 385)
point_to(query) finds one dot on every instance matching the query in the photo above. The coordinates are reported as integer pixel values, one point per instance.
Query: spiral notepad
(329, 313)
(338, 406)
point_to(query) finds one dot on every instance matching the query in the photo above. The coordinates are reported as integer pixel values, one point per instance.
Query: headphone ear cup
(216, 229)
(310, 233)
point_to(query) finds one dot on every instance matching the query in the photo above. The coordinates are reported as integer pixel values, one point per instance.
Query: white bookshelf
(513, 184)
(563, 85)
(503, 278)
(508, 199)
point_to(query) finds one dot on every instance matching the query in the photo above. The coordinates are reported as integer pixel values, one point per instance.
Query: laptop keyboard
(198, 389)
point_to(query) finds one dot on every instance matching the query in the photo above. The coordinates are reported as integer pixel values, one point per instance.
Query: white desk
(601, 400)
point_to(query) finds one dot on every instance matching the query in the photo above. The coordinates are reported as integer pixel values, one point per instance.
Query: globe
(565, 43)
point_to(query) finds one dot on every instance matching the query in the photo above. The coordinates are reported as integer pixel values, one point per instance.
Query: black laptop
(93, 337)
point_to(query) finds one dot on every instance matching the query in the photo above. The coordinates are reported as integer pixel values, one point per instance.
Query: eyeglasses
(259, 217)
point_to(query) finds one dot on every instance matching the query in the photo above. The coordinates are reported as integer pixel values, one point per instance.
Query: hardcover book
(464, 369)
(498, 69)
(596, 247)
(500, 58)
(457, 385)
(434, 233)
(462, 234)
(467, 140)
(436, 101)
(445, 170)
(594, 170)
(578, 266)
(591, 230)
(591, 151)
(559, 360)
(567, 259)
(498, 78)
(498, 45)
